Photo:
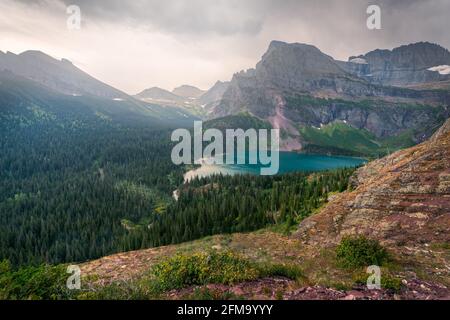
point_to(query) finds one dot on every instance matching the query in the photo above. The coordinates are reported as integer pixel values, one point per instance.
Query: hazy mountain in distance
(59, 75)
(214, 94)
(187, 91)
(412, 64)
(158, 94)
(26, 103)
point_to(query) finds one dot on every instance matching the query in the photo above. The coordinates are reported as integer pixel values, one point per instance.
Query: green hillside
(341, 138)
(24, 103)
(242, 120)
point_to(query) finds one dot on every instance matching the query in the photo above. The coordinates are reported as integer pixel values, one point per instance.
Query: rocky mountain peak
(188, 91)
(158, 94)
(296, 59)
(406, 65)
(59, 75)
(289, 70)
(416, 56)
(35, 54)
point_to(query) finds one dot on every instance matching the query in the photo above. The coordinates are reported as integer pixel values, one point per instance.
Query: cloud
(137, 44)
(225, 17)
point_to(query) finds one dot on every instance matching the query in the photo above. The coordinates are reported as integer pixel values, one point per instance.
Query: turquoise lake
(289, 162)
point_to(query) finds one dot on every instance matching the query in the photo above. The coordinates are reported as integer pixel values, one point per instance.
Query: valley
(410, 220)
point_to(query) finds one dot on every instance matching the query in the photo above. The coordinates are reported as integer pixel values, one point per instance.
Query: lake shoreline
(289, 162)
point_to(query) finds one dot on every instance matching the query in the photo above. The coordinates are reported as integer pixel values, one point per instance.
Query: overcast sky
(137, 44)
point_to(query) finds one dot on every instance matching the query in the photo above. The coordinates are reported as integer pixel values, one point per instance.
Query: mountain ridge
(61, 75)
(402, 66)
(297, 85)
(159, 94)
(47, 80)
(188, 91)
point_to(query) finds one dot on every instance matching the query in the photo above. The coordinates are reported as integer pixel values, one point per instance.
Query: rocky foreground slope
(402, 200)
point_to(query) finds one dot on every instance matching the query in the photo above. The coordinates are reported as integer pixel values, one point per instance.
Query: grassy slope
(265, 247)
(342, 136)
(25, 103)
(338, 137)
(258, 265)
(243, 121)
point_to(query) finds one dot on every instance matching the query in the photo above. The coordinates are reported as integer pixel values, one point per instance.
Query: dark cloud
(402, 19)
(168, 42)
(226, 17)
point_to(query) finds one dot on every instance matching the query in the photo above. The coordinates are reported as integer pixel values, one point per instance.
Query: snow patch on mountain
(359, 61)
(443, 69)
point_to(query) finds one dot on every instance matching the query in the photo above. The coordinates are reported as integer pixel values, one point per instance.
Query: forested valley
(64, 192)
(73, 194)
(241, 203)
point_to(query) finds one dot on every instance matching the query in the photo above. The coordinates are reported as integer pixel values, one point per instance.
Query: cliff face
(402, 200)
(403, 66)
(286, 69)
(290, 69)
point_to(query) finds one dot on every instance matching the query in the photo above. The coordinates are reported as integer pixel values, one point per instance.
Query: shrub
(388, 281)
(38, 283)
(279, 295)
(202, 268)
(123, 290)
(292, 272)
(391, 283)
(360, 252)
(208, 294)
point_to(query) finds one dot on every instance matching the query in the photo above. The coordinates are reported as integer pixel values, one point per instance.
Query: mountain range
(58, 75)
(36, 87)
(87, 172)
(300, 90)
(370, 105)
(191, 98)
(406, 65)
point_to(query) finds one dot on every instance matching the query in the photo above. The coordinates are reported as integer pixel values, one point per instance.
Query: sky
(133, 45)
